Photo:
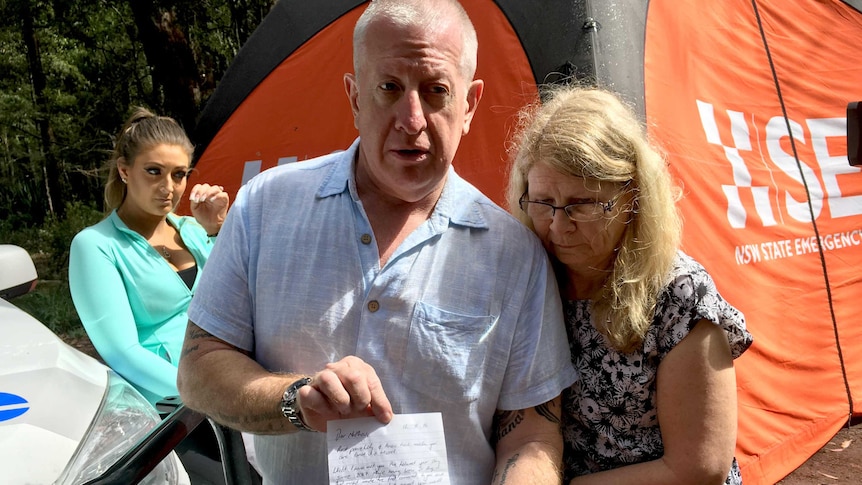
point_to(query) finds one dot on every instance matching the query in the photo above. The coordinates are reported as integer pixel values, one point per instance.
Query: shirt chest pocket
(447, 353)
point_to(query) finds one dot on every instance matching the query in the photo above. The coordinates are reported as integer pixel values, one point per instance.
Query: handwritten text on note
(410, 450)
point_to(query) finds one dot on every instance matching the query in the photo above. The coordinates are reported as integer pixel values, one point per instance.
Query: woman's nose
(166, 186)
(560, 221)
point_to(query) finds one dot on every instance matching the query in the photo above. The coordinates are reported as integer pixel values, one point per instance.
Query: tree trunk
(168, 52)
(246, 15)
(51, 167)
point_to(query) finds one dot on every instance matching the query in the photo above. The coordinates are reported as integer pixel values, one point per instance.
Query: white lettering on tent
(736, 213)
(776, 249)
(821, 178)
(252, 167)
(833, 165)
(747, 254)
(788, 248)
(776, 129)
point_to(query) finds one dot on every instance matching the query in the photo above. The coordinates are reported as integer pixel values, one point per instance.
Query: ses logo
(826, 192)
(821, 171)
(12, 406)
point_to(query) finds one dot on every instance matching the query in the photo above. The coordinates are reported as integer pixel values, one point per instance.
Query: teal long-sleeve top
(133, 304)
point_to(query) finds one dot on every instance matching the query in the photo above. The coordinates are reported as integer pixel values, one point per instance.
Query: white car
(65, 418)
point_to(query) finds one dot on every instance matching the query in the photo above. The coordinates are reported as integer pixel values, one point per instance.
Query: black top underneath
(188, 275)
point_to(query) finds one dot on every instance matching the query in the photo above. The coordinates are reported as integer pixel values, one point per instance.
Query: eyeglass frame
(606, 206)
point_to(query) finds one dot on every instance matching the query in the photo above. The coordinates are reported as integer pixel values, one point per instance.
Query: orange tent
(751, 103)
(748, 97)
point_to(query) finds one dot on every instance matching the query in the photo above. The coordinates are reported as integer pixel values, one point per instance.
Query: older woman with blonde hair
(651, 337)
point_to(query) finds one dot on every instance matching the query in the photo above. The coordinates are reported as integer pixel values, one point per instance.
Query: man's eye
(388, 87)
(442, 90)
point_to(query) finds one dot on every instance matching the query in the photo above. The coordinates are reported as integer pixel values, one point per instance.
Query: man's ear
(474, 95)
(351, 87)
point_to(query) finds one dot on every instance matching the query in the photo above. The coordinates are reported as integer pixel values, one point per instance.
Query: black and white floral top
(609, 414)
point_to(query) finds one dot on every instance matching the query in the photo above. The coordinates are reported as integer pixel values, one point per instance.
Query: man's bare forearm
(534, 463)
(529, 446)
(227, 385)
(224, 383)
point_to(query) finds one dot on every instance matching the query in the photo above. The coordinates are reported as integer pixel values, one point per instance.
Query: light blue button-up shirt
(463, 319)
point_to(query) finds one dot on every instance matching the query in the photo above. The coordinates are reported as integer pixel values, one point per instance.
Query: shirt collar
(460, 203)
(173, 219)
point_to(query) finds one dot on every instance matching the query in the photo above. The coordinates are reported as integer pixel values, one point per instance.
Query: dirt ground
(839, 462)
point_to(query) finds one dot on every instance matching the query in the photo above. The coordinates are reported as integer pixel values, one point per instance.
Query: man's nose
(410, 114)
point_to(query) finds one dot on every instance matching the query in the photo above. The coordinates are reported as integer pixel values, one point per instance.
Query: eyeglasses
(587, 211)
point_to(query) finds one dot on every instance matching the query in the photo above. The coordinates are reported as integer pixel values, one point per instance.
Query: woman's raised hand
(209, 205)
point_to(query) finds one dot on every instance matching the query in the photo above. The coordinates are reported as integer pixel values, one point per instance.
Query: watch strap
(288, 404)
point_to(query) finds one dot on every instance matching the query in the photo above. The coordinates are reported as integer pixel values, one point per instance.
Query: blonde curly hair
(590, 132)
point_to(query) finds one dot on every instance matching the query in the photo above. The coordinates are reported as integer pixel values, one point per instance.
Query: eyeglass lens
(576, 212)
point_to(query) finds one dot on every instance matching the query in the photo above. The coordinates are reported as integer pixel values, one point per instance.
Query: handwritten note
(410, 450)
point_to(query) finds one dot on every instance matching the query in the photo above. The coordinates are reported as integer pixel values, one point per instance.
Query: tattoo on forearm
(549, 411)
(193, 332)
(505, 422)
(188, 349)
(509, 464)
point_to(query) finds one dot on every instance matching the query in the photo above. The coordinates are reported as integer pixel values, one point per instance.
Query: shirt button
(373, 306)
(366, 239)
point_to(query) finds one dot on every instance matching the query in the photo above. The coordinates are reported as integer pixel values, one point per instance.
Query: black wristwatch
(288, 404)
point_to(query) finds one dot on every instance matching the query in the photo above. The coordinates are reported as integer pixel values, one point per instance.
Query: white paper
(410, 450)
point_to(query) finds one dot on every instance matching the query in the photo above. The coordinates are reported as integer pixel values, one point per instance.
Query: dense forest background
(70, 73)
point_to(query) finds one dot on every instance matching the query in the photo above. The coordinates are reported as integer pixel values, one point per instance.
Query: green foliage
(51, 304)
(29, 238)
(95, 70)
(58, 236)
(48, 245)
